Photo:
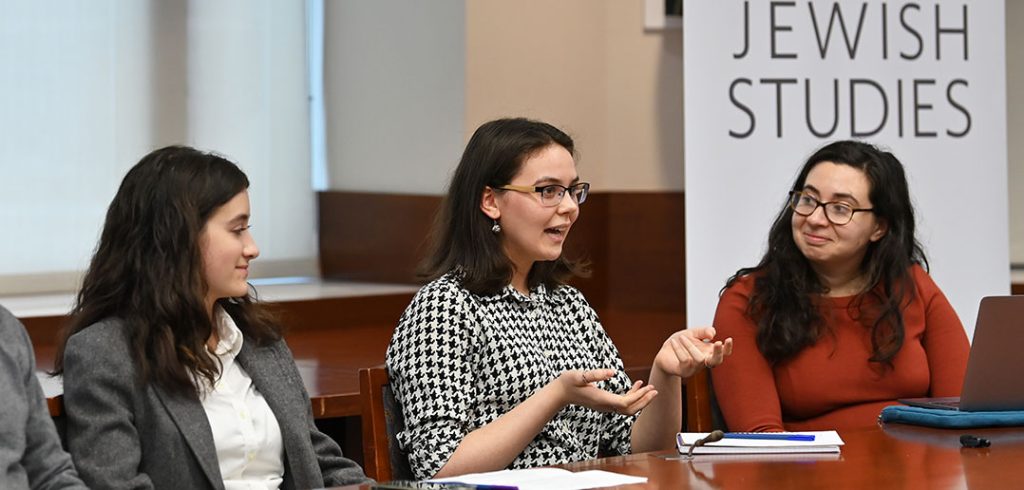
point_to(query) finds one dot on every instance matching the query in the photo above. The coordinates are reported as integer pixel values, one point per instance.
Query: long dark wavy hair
(462, 238)
(787, 291)
(147, 269)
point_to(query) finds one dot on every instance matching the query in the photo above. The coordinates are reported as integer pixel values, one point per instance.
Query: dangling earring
(496, 228)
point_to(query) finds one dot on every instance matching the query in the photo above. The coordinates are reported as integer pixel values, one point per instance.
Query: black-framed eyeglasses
(552, 194)
(837, 212)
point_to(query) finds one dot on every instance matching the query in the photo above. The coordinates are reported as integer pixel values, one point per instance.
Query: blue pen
(769, 436)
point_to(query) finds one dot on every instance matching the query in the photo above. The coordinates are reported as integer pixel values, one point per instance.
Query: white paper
(547, 478)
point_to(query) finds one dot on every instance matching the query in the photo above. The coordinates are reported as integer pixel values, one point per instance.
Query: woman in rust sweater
(840, 317)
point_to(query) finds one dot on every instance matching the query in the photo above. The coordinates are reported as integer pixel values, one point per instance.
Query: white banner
(767, 83)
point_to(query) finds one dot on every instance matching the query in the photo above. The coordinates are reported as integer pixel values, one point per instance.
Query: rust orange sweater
(831, 384)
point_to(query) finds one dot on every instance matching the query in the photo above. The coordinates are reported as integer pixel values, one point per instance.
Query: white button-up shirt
(245, 432)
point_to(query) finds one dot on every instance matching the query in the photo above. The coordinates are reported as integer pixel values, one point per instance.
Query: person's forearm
(659, 422)
(495, 445)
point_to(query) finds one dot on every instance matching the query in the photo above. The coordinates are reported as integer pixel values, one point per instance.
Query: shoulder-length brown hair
(147, 269)
(462, 239)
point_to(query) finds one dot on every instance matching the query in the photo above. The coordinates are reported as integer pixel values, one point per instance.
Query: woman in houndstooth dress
(497, 363)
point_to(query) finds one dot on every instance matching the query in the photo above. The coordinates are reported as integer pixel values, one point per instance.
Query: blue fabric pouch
(949, 419)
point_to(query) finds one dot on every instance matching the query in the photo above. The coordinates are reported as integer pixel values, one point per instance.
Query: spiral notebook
(827, 441)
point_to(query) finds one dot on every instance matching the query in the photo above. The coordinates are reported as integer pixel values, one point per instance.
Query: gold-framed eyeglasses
(552, 194)
(837, 212)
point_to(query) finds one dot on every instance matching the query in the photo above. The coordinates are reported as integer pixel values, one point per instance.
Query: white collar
(230, 336)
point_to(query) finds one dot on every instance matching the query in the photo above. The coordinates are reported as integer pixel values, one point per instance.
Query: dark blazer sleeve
(25, 419)
(99, 398)
(312, 459)
(336, 469)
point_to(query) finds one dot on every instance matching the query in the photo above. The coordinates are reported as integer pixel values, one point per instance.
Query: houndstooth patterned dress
(458, 361)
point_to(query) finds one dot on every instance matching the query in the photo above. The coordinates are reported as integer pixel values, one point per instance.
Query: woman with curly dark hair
(174, 376)
(840, 317)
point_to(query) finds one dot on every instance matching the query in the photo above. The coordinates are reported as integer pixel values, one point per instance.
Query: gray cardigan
(30, 452)
(125, 435)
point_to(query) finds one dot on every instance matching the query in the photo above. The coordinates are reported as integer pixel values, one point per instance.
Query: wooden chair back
(382, 420)
(699, 412)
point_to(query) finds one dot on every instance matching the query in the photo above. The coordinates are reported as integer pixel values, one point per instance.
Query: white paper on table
(547, 478)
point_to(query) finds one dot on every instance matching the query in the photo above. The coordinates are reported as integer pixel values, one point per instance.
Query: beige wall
(393, 94)
(645, 102)
(1015, 125)
(402, 102)
(590, 68)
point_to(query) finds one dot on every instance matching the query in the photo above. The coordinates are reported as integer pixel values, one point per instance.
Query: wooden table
(329, 362)
(896, 456)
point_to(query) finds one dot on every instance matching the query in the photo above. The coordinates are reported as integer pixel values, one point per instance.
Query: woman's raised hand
(688, 351)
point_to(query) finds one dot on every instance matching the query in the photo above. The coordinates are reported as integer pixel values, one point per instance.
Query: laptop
(993, 381)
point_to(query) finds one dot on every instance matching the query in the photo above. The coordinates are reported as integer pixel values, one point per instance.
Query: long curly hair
(787, 291)
(147, 269)
(462, 239)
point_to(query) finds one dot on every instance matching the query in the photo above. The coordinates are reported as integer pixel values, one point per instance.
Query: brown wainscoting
(646, 259)
(588, 242)
(330, 338)
(634, 241)
(343, 312)
(373, 237)
(45, 330)
(639, 334)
